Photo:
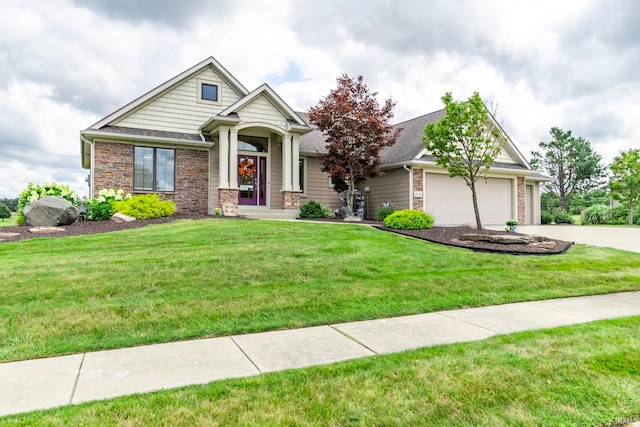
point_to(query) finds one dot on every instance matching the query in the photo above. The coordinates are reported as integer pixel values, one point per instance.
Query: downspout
(410, 185)
(82, 138)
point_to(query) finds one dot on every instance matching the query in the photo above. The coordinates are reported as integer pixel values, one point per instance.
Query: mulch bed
(443, 235)
(88, 227)
(449, 236)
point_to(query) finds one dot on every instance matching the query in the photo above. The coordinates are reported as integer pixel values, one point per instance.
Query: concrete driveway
(625, 238)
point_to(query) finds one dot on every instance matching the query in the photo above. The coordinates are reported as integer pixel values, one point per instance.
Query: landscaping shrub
(313, 209)
(619, 215)
(563, 218)
(408, 219)
(145, 206)
(386, 209)
(596, 214)
(36, 191)
(546, 218)
(101, 208)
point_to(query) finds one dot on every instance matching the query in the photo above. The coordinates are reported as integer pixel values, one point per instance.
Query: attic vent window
(209, 92)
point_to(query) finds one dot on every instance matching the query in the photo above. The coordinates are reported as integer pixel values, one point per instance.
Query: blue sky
(65, 64)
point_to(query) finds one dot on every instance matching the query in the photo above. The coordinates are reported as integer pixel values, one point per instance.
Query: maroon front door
(252, 179)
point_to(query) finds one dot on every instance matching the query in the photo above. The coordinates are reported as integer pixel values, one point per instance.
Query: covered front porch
(254, 171)
(254, 163)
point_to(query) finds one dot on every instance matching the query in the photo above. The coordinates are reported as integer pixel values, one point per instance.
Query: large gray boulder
(50, 211)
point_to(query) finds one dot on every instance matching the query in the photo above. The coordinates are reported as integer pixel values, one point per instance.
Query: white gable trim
(277, 101)
(169, 84)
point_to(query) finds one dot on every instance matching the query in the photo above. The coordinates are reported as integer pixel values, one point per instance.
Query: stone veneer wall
(290, 200)
(522, 217)
(228, 201)
(113, 168)
(192, 181)
(418, 185)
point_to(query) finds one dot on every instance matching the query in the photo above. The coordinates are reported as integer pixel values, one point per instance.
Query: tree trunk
(475, 205)
(350, 195)
(630, 216)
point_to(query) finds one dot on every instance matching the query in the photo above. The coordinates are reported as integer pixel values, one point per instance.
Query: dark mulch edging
(89, 227)
(449, 236)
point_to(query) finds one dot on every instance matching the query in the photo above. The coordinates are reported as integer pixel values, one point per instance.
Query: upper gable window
(209, 92)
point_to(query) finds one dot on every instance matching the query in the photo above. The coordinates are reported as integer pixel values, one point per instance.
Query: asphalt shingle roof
(407, 147)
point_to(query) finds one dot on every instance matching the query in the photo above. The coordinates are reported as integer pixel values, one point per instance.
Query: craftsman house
(204, 141)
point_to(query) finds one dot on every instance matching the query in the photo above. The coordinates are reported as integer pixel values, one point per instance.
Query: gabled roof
(409, 144)
(314, 141)
(209, 62)
(294, 121)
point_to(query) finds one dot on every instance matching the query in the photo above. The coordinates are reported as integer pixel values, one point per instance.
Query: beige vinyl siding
(262, 110)
(393, 187)
(504, 157)
(274, 185)
(178, 110)
(318, 185)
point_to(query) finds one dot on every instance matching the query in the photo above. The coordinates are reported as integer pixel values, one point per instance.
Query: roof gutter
(155, 140)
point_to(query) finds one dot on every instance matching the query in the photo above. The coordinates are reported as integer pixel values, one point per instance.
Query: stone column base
(228, 201)
(290, 200)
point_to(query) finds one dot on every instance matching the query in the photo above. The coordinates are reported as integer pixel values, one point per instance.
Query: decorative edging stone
(460, 244)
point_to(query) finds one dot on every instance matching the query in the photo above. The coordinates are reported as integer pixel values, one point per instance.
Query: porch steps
(252, 213)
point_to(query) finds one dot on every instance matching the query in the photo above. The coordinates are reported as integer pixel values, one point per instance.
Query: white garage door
(449, 200)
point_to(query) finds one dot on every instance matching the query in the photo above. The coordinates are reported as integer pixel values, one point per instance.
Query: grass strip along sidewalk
(201, 278)
(572, 376)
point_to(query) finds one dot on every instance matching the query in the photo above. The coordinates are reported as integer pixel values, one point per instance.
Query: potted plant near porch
(511, 226)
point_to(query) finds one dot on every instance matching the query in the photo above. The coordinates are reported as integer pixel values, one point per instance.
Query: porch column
(233, 158)
(223, 159)
(286, 163)
(295, 165)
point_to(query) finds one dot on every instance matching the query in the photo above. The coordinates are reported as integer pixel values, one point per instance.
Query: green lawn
(585, 375)
(9, 222)
(211, 277)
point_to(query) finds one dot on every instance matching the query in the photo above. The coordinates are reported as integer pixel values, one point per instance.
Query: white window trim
(217, 83)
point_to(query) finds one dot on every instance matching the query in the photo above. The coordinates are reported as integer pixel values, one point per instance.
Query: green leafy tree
(5, 213)
(12, 204)
(570, 162)
(465, 141)
(357, 129)
(625, 179)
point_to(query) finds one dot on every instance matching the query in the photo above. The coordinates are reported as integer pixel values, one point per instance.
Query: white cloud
(65, 64)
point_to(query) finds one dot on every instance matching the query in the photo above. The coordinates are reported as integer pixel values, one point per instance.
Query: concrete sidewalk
(47, 383)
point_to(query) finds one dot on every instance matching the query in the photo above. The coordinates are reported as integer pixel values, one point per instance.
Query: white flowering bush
(37, 191)
(101, 208)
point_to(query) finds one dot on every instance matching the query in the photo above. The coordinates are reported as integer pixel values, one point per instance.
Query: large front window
(154, 169)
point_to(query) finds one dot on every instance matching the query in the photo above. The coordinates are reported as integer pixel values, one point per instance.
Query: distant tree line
(580, 181)
(12, 204)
